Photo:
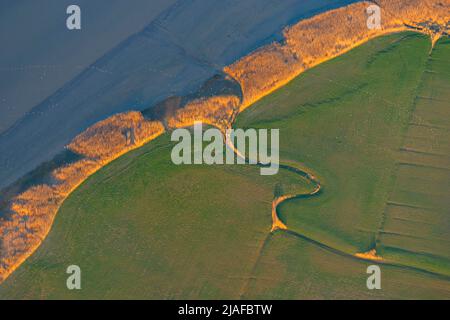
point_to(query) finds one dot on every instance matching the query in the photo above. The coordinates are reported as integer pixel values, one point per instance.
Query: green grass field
(347, 132)
(144, 228)
(417, 214)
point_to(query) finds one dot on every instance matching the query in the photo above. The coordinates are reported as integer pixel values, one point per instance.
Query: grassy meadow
(143, 227)
(362, 134)
(417, 214)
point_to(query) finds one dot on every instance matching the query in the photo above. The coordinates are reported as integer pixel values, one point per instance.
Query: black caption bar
(173, 309)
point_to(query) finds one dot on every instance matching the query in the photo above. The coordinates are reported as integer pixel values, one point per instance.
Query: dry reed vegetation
(213, 110)
(369, 255)
(308, 43)
(313, 41)
(114, 136)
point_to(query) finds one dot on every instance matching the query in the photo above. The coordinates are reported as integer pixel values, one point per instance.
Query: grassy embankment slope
(142, 227)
